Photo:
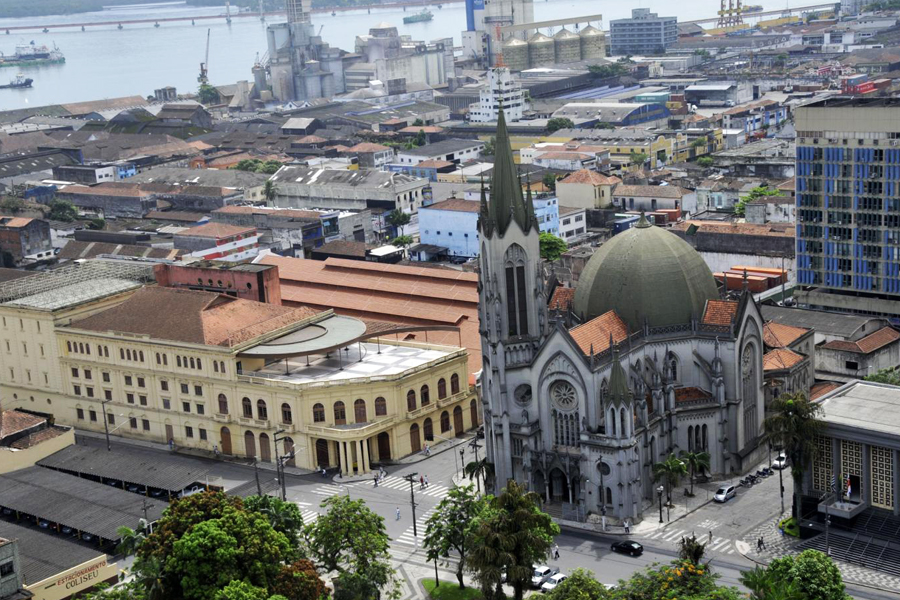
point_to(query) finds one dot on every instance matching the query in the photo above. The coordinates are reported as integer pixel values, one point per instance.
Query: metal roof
(83, 505)
(43, 555)
(823, 322)
(324, 335)
(156, 471)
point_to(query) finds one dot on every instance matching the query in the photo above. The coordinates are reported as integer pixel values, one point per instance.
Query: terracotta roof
(868, 344)
(343, 248)
(731, 228)
(132, 191)
(15, 421)
(367, 147)
(690, 394)
(311, 139)
(193, 317)
(563, 155)
(434, 164)
(33, 439)
(391, 293)
(216, 230)
(596, 332)
(777, 335)
(592, 177)
(455, 204)
(820, 389)
(568, 210)
(647, 191)
(280, 212)
(417, 129)
(780, 358)
(719, 312)
(14, 221)
(562, 298)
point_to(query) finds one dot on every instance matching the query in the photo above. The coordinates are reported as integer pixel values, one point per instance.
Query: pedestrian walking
(759, 544)
(427, 450)
(762, 541)
(216, 450)
(426, 481)
(627, 527)
(421, 482)
(398, 513)
(556, 552)
(710, 536)
(376, 480)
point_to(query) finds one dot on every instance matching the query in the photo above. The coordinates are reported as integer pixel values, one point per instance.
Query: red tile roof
(592, 177)
(596, 332)
(391, 293)
(776, 335)
(456, 205)
(780, 358)
(132, 191)
(719, 312)
(15, 421)
(820, 389)
(870, 343)
(14, 221)
(562, 298)
(216, 230)
(280, 212)
(193, 317)
(689, 394)
(368, 147)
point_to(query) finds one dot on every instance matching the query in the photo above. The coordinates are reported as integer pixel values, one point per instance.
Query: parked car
(554, 581)
(724, 493)
(780, 462)
(628, 547)
(541, 574)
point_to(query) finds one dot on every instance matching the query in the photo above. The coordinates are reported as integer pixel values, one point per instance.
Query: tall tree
(763, 585)
(300, 581)
(447, 529)
(480, 470)
(691, 550)
(513, 535)
(398, 219)
(814, 573)
(579, 585)
(670, 471)
(284, 517)
(696, 462)
(793, 425)
(552, 247)
(269, 190)
(350, 539)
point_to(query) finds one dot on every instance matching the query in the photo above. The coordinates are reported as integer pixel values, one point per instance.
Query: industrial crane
(203, 78)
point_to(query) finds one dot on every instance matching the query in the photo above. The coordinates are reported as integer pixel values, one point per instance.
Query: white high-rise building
(501, 90)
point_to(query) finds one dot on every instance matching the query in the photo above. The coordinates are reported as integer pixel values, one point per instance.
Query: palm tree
(480, 470)
(398, 219)
(670, 471)
(130, 539)
(697, 462)
(764, 585)
(691, 549)
(148, 575)
(269, 190)
(793, 426)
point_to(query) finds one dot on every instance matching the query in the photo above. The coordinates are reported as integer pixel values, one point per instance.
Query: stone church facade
(583, 392)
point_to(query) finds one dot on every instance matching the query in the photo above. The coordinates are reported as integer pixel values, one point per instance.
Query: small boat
(46, 30)
(82, 28)
(19, 82)
(333, 14)
(192, 21)
(156, 24)
(752, 8)
(120, 26)
(425, 15)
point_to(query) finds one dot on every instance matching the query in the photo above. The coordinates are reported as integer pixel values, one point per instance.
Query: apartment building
(644, 33)
(848, 205)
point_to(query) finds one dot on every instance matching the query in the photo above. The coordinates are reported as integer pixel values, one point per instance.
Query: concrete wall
(122, 207)
(455, 230)
(12, 459)
(9, 552)
(260, 286)
(835, 362)
(722, 261)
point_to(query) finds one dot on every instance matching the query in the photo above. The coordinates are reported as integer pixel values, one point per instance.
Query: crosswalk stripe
(309, 515)
(673, 535)
(654, 536)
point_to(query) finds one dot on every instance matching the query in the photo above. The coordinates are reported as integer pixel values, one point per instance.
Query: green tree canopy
(638, 158)
(398, 219)
(889, 376)
(814, 573)
(579, 585)
(557, 123)
(447, 529)
(62, 210)
(284, 517)
(350, 539)
(670, 471)
(549, 181)
(269, 167)
(756, 193)
(300, 581)
(510, 536)
(241, 590)
(270, 191)
(208, 94)
(609, 70)
(11, 205)
(696, 462)
(680, 579)
(705, 161)
(551, 246)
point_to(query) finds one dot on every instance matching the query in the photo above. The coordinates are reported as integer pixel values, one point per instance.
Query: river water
(108, 62)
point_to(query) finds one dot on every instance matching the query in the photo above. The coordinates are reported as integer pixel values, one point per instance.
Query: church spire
(485, 221)
(506, 204)
(618, 381)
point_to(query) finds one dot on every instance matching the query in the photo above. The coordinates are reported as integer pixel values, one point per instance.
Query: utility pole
(279, 470)
(256, 473)
(474, 446)
(106, 423)
(411, 478)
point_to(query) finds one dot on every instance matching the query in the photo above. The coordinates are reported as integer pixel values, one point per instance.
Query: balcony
(248, 421)
(350, 431)
(262, 423)
(222, 417)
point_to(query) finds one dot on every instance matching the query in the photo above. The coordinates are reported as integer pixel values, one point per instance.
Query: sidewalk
(439, 448)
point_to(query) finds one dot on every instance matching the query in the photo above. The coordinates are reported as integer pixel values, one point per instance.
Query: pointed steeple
(506, 204)
(485, 222)
(618, 381)
(643, 222)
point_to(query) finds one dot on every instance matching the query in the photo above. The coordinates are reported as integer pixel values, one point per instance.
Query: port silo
(515, 54)
(567, 46)
(593, 43)
(541, 50)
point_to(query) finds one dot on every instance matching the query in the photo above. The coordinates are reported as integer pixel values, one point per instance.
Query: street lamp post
(659, 493)
(462, 462)
(106, 423)
(475, 446)
(279, 471)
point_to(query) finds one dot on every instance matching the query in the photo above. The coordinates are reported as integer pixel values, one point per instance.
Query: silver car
(541, 574)
(554, 581)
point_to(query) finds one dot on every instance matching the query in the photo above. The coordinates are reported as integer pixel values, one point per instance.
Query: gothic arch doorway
(559, 486)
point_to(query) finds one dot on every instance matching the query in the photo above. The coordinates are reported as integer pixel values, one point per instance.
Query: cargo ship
(425, 15)
(19, 82)
(752, 8)
(32, 54)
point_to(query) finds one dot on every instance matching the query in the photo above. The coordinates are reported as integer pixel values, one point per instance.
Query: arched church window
(623, 414)
(516, 291)
(563, 395)
(612, 421)
(705, 439)
(690, 438)
(673, 366)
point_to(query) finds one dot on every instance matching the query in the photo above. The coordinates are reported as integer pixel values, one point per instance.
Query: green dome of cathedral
(645, 273)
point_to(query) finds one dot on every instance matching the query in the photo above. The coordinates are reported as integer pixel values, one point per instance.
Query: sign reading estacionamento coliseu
(75, 580)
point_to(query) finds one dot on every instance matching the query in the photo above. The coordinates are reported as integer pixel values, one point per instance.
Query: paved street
(744, 518)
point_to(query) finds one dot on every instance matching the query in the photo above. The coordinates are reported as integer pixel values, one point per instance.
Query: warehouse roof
(444, 147)
(43, 555)
(822, 322)
(156, 471)
(342, 178)
(83, 505)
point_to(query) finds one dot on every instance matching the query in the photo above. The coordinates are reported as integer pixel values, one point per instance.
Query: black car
(632, 548)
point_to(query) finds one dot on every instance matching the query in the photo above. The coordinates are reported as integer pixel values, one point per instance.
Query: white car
(541, 574)
(554, 581)
(724, 493)
(780, 462)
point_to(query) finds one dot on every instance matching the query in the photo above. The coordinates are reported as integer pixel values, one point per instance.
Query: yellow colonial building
(217, 373)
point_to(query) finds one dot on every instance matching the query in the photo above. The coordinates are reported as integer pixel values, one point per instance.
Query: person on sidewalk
(216, 450)
(759, 544)
(398, 513)
(627, 527)
(421, 482)
(556, 551)
(426, 481)
(710, 537)
(376, 480)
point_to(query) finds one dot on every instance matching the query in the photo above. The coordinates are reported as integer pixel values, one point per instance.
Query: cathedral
(585, 390)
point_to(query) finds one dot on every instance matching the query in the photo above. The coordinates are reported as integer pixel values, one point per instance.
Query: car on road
(541, 574)
(629, 547)
(554, 581)
(724, 493)
(780, 462)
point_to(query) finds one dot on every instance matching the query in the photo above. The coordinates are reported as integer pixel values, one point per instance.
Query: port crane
(203, 78)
